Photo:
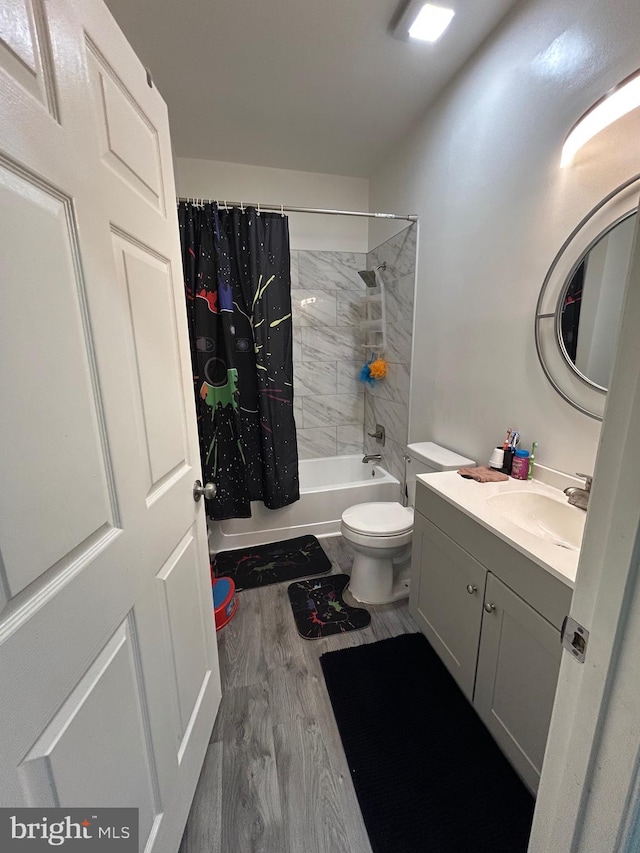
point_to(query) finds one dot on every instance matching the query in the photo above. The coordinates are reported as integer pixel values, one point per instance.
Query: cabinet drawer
(448, 613)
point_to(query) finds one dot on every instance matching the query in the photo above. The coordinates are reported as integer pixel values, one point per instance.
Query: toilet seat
(376, 520)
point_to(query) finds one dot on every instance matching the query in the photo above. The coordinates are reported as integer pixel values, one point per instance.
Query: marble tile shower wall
(387, 402)
(327, 305)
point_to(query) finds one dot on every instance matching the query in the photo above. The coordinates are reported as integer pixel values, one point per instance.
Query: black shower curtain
(238, 291)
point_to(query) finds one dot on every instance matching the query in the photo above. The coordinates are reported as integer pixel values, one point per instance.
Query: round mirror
(591, 304)
(580, 304)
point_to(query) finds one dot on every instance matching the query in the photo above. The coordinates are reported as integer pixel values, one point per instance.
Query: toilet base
(372, 580)
(399, 591)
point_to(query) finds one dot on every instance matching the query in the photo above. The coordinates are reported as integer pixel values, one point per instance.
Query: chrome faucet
(372, 457)
(580, 497)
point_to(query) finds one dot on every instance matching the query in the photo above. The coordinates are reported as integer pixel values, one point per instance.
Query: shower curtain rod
(282, 207)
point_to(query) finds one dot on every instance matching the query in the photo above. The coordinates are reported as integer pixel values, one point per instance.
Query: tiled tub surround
(327, 303)
(387, 402)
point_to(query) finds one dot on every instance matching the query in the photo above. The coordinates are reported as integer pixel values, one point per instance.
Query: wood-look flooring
(275, 778)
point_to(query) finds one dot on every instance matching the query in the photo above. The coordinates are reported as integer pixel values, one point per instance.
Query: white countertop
(470, 497)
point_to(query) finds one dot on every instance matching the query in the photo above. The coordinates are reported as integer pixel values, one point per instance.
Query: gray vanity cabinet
(447, 594)
(516, 678)
(493, 617)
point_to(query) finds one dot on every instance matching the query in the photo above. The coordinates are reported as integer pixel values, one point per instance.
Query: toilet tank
(425, 457)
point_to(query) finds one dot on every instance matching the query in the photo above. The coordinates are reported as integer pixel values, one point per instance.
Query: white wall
(238, 182)
(482, 172)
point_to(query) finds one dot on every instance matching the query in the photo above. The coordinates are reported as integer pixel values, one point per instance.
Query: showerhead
(369, 276)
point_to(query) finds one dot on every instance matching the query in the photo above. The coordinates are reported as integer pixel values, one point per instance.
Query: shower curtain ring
(282, 210)
(242, 207)
(258, 208)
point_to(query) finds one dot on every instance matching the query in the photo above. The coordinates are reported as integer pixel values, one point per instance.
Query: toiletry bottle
(520, 467)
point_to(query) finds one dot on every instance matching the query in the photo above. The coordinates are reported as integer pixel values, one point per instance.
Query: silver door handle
(471, 589)
(489, 607)
(208, 490)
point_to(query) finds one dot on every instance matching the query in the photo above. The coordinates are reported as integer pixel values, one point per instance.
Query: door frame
(589, 796)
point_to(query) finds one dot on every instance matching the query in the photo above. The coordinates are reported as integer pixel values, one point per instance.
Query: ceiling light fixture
(620, 101)
(422, 21)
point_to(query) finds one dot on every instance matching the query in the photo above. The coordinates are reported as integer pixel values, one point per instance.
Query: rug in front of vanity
(428, 775)
(320, 611)
(272, 563)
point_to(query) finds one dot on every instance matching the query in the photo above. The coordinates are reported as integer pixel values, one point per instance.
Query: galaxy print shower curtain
(238, 291)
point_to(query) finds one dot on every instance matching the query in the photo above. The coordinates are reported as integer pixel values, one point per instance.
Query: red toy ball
(225, 601)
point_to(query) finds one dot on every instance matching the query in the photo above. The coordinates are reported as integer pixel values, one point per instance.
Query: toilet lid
(378, 519)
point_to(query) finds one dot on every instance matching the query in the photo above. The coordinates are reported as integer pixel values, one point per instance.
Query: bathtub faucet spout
(372, 457)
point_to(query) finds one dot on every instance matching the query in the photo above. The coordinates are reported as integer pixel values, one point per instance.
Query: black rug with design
(428, 775)
(320, 611)
(272, 563)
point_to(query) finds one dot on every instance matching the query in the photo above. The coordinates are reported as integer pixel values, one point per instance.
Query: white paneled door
(109, 678)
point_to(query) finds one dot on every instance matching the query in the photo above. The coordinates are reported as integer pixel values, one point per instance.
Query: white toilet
(380, 533)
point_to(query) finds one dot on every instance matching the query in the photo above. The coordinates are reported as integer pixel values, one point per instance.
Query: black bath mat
(273, 563)
(320, 611)
(428, 775)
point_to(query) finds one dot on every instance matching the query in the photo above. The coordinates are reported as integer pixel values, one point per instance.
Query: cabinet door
(447, 587)
(517, 675)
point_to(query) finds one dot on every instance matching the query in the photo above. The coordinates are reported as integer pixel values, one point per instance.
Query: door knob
(489, 607)
(208, 490)
(471, 588)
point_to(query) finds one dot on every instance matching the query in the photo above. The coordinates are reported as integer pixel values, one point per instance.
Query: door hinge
(574, 638)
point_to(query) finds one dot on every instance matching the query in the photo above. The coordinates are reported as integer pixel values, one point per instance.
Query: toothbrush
(506, 441)
(531, 458)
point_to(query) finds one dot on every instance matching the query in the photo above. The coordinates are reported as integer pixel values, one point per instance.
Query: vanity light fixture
(420, 21)
(620, 101)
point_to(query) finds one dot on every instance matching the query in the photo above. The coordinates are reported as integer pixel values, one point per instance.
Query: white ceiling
(314, 85)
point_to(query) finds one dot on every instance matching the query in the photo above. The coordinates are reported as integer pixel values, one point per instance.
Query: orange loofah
(378, 368)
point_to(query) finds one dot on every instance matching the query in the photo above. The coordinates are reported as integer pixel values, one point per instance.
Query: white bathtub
(327, 487)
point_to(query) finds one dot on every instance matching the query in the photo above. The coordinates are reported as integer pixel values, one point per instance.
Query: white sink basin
(543, 516)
